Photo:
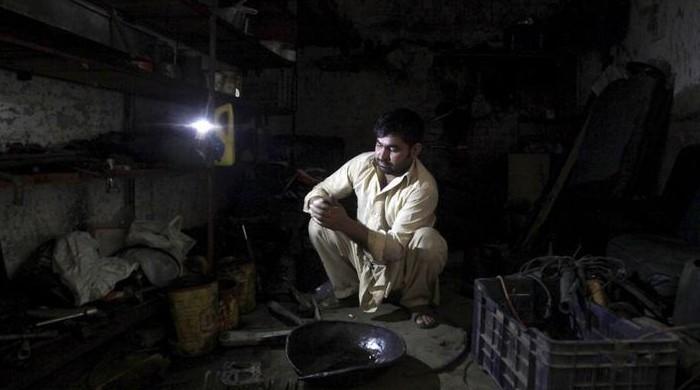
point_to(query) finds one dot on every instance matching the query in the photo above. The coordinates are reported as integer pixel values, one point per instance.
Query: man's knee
(324, 237)
(314, 228)
(429, 239)
(429, 244)
(316, 231)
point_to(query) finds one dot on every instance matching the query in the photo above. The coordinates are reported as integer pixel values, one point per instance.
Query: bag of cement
(89, 277)
(156, 234)
(159, 266)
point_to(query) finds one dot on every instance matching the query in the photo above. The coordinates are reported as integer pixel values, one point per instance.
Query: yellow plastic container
(243, 273)
(194, 307)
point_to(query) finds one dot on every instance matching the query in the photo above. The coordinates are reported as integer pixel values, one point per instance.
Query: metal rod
(248, 244)
(209, 268)
(211, 75)
(24, 336)
(86, 312)
(210, 111)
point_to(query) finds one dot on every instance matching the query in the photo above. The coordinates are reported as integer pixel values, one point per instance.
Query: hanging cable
(508, 300)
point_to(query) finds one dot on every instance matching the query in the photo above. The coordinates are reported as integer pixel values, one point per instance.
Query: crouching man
(391, 249)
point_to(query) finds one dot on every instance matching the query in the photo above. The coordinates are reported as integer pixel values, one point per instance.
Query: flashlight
(202, 126)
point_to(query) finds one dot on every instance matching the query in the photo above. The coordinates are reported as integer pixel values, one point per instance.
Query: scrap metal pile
(570, 285)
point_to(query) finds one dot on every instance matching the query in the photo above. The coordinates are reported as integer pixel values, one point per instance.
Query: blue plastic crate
(612, 356)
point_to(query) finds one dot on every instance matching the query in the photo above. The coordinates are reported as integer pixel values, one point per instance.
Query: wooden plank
(553, 195)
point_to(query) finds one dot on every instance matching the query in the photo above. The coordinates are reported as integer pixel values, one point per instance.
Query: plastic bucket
(194, 307)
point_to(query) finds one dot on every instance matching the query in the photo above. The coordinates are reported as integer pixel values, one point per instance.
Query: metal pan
(341, 352)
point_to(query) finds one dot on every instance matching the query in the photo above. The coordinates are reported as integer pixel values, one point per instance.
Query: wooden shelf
(34, 59)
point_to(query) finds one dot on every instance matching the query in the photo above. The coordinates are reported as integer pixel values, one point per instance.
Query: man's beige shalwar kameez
(400, 219)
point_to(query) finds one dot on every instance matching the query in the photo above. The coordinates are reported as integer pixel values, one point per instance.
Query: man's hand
(329, 213)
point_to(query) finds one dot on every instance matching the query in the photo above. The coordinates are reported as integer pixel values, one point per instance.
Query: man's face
(393, 155)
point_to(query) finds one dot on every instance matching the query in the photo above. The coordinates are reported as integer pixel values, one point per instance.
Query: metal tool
(655, 308)
(283, 312)
(566, 286)
(251, 255)
(88, 311)
(284, 384)
(317, 311)
(333, 353)
(306, 301)
(25, 336)
(239, 338)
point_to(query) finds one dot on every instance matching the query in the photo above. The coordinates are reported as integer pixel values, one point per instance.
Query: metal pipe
(209, 267)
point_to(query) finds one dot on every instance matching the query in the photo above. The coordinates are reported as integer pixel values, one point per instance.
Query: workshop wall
(346, 104)
(46, 112)
(665, 33)
(47, 212)
(49, 114)
(164, 197)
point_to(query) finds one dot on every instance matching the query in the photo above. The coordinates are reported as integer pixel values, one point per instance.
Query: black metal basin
(341, 351)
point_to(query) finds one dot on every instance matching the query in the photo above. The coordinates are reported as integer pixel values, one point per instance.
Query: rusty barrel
(228, 304)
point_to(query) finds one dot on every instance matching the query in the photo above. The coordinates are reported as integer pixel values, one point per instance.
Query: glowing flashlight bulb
(202, 126)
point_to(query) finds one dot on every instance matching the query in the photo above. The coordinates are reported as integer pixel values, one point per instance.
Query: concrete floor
(436, 358)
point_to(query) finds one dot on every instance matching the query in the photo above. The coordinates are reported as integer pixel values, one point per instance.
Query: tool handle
(86, 312)
(283, 312)
(237, 338)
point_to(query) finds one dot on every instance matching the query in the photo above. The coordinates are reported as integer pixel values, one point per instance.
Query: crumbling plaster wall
(666, 32)
(51, 113)
(48, 113)
(164, 197)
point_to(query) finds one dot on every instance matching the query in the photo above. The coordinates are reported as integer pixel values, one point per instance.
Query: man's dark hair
(402, 122)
